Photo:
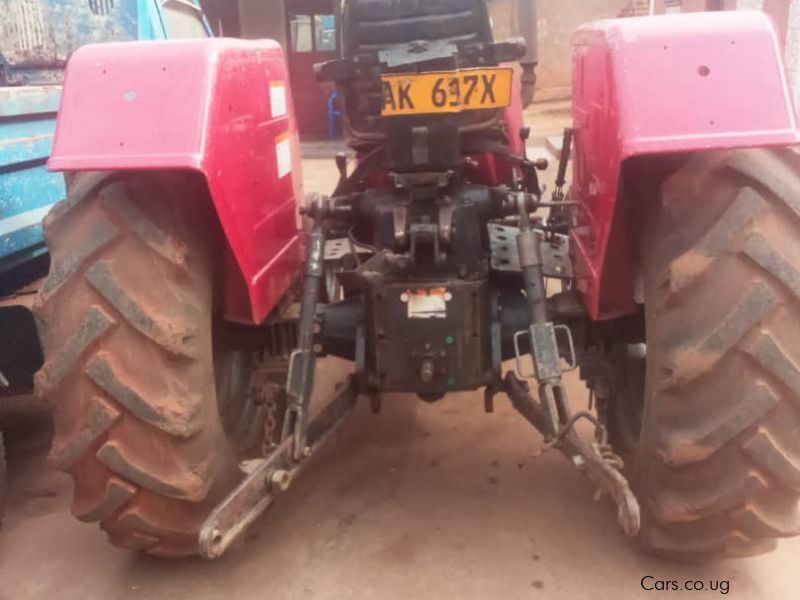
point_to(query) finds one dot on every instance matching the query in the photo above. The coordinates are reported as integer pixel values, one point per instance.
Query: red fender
(658, 85)
(221, 107)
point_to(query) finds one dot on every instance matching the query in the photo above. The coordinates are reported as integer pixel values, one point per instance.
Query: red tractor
(186, 306)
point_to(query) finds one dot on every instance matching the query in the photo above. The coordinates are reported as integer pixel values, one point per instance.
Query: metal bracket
(544, 347)
(423, 233)
(299, 386)
(573, 357)
(544, 350)
(420, 146)
(416, 52)
(518, 357)
(556, 262)
(336, 249)
(407, 181)
(446, 211)
(400, 215)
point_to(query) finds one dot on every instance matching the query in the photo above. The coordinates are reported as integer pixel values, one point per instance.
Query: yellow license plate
(446, 92)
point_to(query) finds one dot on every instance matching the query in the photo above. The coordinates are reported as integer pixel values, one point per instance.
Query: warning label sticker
(283, 152)
(277, 98)
(426, 303)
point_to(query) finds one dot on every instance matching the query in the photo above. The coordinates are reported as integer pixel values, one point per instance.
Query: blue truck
(36, 39)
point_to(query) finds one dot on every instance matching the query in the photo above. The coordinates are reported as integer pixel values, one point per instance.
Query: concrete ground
(425, 501)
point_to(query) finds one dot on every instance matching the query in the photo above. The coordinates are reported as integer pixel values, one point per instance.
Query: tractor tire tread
(718, 464)
(129, 363)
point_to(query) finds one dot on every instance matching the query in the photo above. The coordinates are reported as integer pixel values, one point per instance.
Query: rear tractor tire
(716, 463)
(125, 317)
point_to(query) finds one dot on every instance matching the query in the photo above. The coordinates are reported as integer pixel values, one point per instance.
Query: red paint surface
(658, 85)
(202, 105)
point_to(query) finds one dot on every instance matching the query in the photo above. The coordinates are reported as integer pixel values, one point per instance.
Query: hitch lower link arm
(300, 437)
(266, 477)
(551, 413)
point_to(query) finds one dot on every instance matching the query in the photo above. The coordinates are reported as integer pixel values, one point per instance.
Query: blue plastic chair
(334, 116)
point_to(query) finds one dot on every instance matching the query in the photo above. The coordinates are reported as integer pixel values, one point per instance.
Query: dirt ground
(425, 501)
(421, 502)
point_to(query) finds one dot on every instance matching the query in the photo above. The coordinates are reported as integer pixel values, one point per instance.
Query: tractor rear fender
(220, 107)
(661, 87)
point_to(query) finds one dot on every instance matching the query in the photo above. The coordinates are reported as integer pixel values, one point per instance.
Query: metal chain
(601, 446)
(271, 432)
(556, 440)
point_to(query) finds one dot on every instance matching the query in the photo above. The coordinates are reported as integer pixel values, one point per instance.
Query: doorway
(312, 36)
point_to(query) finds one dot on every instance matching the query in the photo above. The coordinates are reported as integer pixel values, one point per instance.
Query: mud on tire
(717, 466)
(125, 320)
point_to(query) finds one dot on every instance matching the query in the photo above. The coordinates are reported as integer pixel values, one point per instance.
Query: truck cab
(37, 39)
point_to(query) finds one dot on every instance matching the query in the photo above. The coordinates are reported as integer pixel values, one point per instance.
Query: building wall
(223, 16)
(557, 20)
(263, 19)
